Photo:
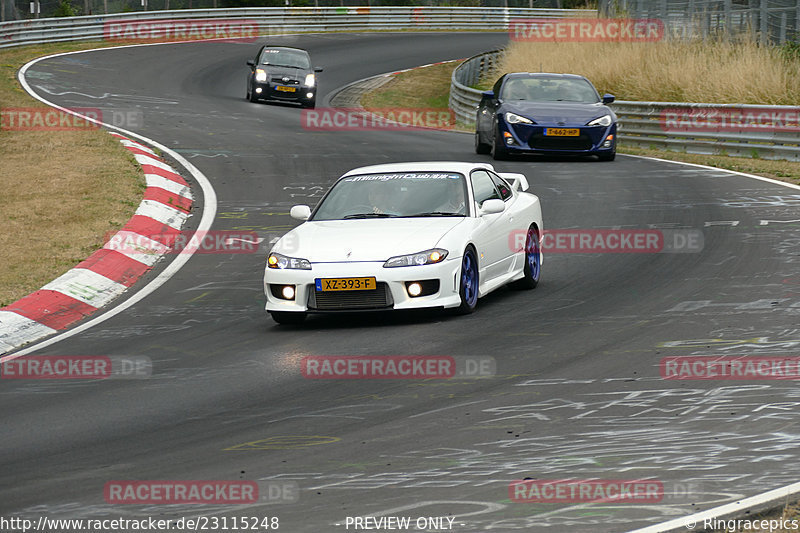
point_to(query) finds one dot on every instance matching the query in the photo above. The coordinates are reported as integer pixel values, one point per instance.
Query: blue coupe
(553, 114)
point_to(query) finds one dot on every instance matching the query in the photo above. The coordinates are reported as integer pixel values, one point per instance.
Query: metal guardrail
(276, 20)
(675, 126)
(464, 99)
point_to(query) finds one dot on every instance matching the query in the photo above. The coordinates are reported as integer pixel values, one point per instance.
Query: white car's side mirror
(492, 207)
(300, 212)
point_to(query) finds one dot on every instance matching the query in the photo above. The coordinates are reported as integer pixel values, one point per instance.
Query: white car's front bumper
(393, 279)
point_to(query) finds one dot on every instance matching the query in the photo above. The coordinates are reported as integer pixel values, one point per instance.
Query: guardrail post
(784, 21)
(728, 10)
(763, 20)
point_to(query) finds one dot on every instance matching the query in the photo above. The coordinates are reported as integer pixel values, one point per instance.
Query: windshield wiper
(277, 65)
(434, 214)
(369, 215)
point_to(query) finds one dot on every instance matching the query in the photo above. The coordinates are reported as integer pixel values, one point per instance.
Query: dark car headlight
(605, 120)
(513, 118)
(428, 257)
(278, 261)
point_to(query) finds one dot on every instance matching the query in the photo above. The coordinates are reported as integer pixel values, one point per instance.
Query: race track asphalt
(577, 393)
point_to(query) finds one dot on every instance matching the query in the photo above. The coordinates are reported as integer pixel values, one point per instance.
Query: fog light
(309, 95)
(508, 137)
(414, 289)
(288, 292)
(258, 90)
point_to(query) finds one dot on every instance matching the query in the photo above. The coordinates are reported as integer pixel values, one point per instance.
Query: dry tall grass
(669, 71)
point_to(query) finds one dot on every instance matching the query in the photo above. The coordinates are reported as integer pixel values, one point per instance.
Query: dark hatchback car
(552, 114)
(283, 74)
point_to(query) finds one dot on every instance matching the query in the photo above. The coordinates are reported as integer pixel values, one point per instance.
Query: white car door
(492, 232)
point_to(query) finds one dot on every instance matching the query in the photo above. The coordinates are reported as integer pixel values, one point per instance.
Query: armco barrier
(767, 132)
(274, 20)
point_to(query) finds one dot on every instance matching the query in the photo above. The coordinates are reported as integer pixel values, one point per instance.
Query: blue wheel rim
(469, 279)
(532, 255)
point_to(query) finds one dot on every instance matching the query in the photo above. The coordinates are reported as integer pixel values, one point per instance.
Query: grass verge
(430, 86)
(668, 71)
(62, 190)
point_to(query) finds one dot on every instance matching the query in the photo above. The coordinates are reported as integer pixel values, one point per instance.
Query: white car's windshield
(395, 194)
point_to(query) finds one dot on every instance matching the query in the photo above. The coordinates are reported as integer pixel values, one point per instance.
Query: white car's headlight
(428, 257)
(261, 74)
(513, 118)
(605, 120)
(310, 79)
(279, 261)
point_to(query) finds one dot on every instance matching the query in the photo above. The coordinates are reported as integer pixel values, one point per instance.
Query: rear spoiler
(518, 181)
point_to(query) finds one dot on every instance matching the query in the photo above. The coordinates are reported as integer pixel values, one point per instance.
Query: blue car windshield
(395, 195)
(550, 90)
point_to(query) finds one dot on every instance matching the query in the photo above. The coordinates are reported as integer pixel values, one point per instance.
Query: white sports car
(407, 236)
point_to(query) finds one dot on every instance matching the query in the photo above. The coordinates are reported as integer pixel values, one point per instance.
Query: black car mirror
(317, 69)
(608, 98)
(251, 63)
(488, 94)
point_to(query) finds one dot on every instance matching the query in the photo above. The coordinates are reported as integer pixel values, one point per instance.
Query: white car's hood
(331, 241)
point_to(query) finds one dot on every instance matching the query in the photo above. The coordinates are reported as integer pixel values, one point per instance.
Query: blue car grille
(543, 142)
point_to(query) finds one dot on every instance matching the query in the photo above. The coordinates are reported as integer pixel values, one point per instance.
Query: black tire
(468, 291)
(533, 261)
(481, 148)
(609, 156)
(284, 317)
(498, 149)
(251, 95)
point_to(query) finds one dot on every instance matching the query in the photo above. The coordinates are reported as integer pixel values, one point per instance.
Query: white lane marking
(160, 182)
(149, 99)
(137, 246)
(15, 329)
(732, 510)
(162, 212)
(130, 144)
(147, 160)
(706, 167)
(206, 219)
(86, 286)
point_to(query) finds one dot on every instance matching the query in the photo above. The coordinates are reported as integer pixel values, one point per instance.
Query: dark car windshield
(285, 58)
(550, 90)
(395, 194)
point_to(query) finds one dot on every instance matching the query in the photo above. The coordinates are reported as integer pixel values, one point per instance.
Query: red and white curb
(108, 272)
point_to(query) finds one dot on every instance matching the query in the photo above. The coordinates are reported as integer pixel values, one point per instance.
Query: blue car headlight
(279, 261)
(605, 120)
(428, 257)
(513, 118)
